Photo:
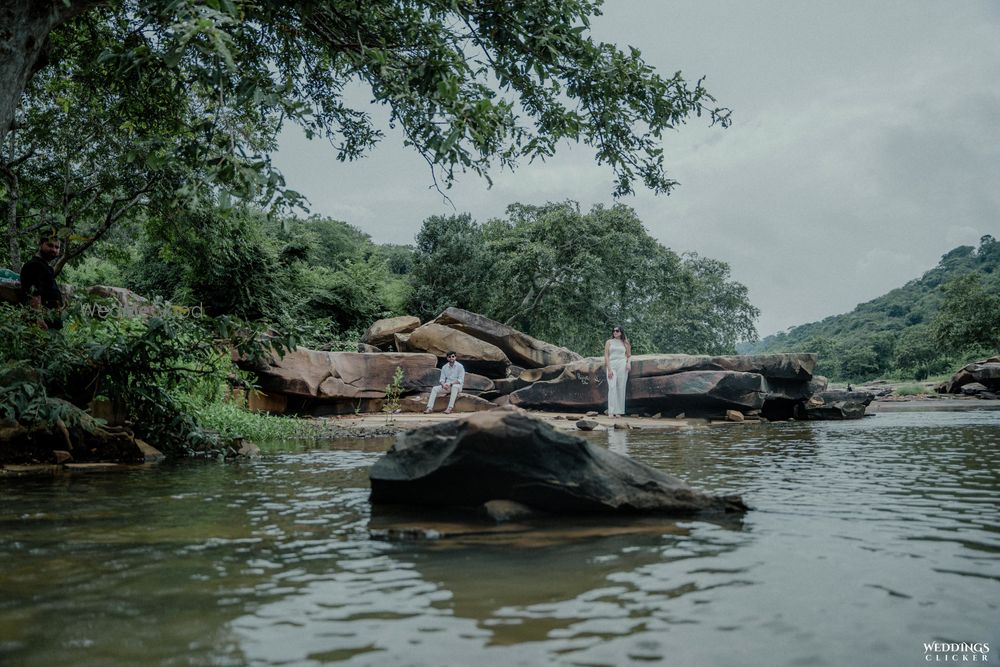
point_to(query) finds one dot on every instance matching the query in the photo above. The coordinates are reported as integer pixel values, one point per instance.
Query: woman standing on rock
(618, 362)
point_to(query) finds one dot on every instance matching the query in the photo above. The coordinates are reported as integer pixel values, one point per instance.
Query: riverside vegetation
(928, 327)
(144, 134)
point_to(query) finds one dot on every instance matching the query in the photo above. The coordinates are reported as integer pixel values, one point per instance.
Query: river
(867, 540)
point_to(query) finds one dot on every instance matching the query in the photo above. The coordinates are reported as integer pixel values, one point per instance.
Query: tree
(567, 277)
(473, 84)
(970, 314)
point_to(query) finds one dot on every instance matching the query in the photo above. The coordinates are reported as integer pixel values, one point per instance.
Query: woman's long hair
(624, 335)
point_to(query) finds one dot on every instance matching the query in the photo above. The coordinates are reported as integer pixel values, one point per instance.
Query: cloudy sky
(865, 144)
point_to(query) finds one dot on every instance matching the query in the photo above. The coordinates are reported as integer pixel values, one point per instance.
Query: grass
(232, 420)
(911, 390)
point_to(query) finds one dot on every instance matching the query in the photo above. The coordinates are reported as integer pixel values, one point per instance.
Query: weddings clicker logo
(956, 652)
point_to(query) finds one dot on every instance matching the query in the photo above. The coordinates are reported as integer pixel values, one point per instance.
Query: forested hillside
(899, 333)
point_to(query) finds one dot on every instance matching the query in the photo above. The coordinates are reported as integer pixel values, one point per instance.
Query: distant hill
(892, 334)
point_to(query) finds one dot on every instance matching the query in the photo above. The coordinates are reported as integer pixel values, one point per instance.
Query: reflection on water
(867, 539)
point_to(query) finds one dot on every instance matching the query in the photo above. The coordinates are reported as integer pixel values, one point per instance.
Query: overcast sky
(865, 144)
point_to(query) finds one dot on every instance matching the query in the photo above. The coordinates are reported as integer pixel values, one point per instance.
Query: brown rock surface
(519, 347)
(476, 355)
(383, 332)
(337, 375)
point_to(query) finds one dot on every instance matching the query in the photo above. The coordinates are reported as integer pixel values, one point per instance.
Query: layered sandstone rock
(475, 354)
(339, 375)
(519, 347)
(383, 332)
(508, 455)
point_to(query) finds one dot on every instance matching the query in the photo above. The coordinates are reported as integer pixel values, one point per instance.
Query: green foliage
(970, 314)
(911, 390)
(231, 420)
(154, 106)
(567, 277)
(393, 391)
(929, 326)
(157, 368)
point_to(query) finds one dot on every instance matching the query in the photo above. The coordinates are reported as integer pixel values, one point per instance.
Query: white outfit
(453, 374)
(616, 385)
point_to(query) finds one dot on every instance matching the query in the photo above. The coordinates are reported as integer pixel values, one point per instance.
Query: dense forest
(927, 327)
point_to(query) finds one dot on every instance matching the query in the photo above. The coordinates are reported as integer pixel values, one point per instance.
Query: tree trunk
(24, 37)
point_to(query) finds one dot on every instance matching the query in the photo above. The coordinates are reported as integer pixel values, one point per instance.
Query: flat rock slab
(709, 390)
(507, 454)
(796, 367)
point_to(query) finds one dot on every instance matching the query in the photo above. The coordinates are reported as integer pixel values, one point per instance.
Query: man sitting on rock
(452, 379)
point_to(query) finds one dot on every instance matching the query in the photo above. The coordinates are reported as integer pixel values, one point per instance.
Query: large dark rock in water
(508, 455)
(519, 347)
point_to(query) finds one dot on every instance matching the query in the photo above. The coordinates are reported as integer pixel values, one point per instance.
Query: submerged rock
(508, 454)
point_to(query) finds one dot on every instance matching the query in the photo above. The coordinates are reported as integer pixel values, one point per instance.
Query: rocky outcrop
(382, 333)
(476, 355)
(339, 375)
(986, 373)
(707, 389)
(836, 404)
(519, 347)
(508, 455)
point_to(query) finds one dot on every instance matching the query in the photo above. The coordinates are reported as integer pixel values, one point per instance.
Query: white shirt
(452, 373)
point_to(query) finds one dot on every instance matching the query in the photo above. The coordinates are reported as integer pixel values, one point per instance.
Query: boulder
(400, 342)
(734, 416)
(338, 375)
(986, 373)
(708, 390)
(259, 401)
(836, 404)
(383, 332)
(131, 304)
(365, 347)
(476, 355)
(586, 424)
(974, 389)
(463, 403)
(10, 292)
(519, 347)
(506, 454)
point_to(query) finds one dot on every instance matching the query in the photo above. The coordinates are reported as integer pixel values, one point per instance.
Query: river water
(867, 540)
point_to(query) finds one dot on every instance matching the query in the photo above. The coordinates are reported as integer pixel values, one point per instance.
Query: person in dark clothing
(38, 282)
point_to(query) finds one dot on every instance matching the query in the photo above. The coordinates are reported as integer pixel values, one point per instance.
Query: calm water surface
(868, 539)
